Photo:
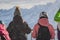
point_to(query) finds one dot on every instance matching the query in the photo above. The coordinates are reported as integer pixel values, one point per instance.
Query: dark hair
(17, 12)
(43, 17)
(17, 19)
(0, 22)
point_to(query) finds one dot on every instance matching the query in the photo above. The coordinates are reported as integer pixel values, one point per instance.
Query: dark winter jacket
(17, 29)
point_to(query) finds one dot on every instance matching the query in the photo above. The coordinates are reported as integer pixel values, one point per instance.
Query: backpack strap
(39, 25)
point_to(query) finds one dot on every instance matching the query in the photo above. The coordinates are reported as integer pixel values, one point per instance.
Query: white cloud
(5, 6)
(23, 3)
(26, 1)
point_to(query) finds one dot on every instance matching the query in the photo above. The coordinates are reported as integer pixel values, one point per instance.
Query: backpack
(43, 33)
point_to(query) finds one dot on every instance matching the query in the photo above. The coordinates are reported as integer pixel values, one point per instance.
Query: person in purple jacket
(58, 29)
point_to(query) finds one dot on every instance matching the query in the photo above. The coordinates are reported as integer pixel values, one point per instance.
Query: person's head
(43, 15)
(0, 22)
(43, 19)
(17, 19)
(17, 11)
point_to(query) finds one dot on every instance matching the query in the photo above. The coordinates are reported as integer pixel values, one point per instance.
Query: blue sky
(6, 4)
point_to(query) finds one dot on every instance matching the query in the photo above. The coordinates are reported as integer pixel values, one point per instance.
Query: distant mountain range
(29, 15)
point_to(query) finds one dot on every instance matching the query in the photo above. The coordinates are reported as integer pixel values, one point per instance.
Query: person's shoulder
(36, 25)
(11, 22)
(50, 25)
(1, 24)
(25, 22)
